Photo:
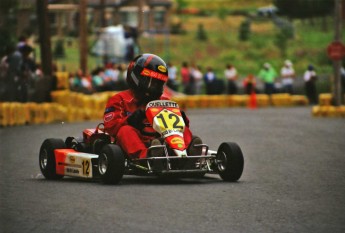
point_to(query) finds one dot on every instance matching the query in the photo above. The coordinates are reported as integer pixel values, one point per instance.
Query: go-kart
(97, 156)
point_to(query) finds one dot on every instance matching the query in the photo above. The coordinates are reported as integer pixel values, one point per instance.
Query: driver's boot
(156, 152)
(195, 150)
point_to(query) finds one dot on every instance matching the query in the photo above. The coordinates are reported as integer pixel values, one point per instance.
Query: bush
(201, 33)
(244, 30)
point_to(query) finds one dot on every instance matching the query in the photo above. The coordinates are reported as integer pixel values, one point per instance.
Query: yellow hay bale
(61, 97)
(281, 99)
(328, 111)
(2, 116)
(341, 111)
(204, 101)
(181, 101)
(299, 100)
(19, 113)
(62, 80)
(240, 100)
(316, 111)
(262, 100)
(325, 99)
(5, 114)
(193, 101)
(217, 101)
(30, 112)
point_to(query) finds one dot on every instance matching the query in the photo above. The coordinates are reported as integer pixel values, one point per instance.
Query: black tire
(47, 160)
(230, 161)
(111, 164)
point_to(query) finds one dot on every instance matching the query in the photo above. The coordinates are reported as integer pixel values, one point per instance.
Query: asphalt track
(293, 181)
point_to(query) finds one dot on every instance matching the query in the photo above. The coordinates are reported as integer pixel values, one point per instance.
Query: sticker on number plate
(72, 163)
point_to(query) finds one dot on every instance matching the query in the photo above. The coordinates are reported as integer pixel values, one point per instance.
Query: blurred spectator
(75, 81)
(230, 74)
(172, 73)
(87, 84)
(38, 71)
(310, 78)
(210, 81)
(14, 61)
(27, 73)
(98, 79)
(22, 41)
(81, 83)
(111, 77)
(342, 77)
(287, 73)
(122, 83)
(268, 75)
(131, 35)
(249, 84)
(186, 78)
(198, 80)
(3, 77)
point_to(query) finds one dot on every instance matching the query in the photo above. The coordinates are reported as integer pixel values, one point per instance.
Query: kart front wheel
(47, 157)
(229, 161)
(111, 164)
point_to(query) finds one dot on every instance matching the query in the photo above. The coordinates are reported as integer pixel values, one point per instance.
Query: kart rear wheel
(229, 161)
(47, 157)
(111, 164)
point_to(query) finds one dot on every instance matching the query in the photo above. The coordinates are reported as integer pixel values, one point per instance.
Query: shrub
(244, 30)
(201, 33)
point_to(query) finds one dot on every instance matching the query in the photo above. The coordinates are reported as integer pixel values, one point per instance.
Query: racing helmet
(146, 76)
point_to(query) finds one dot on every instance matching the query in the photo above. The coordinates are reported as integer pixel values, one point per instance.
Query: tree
(304, 8)
(8, 21)
(201, 33)
(282, 39)
(6, 5)
(181, 4)
(244, 30)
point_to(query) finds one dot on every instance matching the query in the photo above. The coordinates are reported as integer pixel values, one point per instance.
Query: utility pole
(44, 36)
(102, 13)
(140, 16)
(337, 63)
(83, 36)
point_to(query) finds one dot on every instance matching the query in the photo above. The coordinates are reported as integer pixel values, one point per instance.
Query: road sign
(336, 50)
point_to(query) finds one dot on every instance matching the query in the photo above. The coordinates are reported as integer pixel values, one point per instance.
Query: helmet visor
(152, 87)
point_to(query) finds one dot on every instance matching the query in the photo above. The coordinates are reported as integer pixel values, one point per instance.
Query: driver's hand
(136, 119)
(185, 118)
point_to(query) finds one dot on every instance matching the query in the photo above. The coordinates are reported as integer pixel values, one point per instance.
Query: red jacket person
(124, 116)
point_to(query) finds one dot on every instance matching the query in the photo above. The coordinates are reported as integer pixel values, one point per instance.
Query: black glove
(136, 119)
(185, 118)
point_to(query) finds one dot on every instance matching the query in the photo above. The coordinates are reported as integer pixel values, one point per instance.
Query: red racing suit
(133, 142)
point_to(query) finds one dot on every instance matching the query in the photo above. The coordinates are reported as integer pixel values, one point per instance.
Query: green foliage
(244, 30)
(282, 38)
(181, 4)
(304, 8)
(7, 41)
(201, 33)
(7, 5)
(222, 13)
(59, 50)
(281, 42)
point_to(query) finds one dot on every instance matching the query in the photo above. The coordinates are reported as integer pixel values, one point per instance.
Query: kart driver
(124, 116)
